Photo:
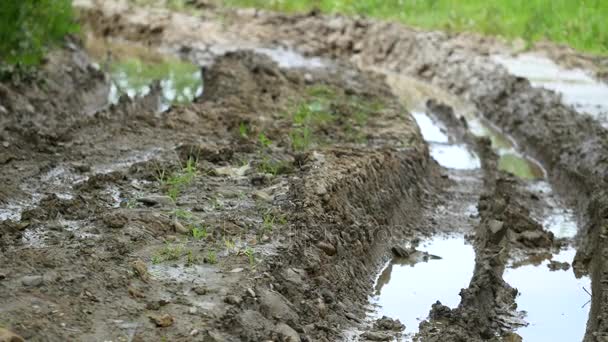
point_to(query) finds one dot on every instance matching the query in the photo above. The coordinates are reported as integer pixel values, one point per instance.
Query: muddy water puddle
(452, 156)
(133, 69)
(555, 303)
(577, 88)
(406, 288)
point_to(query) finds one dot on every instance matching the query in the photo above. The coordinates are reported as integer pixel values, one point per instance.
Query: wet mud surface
(235, 175)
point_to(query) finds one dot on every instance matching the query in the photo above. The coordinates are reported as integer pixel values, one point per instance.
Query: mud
(264, 209)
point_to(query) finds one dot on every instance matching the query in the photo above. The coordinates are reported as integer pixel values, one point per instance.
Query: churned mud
(239, 175)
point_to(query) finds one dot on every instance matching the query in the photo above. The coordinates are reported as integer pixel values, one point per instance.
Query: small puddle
(457, 157)
(509, 158)
(407, 288)
(452, 156)
(578, 89)
(133, 69)
(286, 58)
(556, 304)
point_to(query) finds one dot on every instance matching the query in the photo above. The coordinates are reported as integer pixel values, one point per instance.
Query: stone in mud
(294, 276)
(141, 270)
(179, 228)
(253, 325)
(262, 196)
(440, 311)
(163, 321)
(387, 323)
(203, 152)
(558, 266)
(115, 220)
(376, 336)
(156, 200)
(535, 238)
(497, 230)
(135, 292)
(274, 305)
(233, 300)
(400, 252)
(200, 290)
(326, 247)
(32, 281)
(9, 336)
(286, 333)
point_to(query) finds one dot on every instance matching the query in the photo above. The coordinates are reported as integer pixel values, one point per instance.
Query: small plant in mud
(198, 232)
(250, 253)
(244, 130)
(191, 259)
(230, 245)
(211, 257)
(264, 141)
(270, 166)
(179, 180)
(168, 253)
(182, 214)
(267, 164)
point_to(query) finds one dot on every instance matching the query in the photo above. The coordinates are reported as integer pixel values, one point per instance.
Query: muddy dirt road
(237, 175)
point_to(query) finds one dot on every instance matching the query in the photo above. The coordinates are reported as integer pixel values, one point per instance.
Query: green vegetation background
(29, 27)
(581, 24)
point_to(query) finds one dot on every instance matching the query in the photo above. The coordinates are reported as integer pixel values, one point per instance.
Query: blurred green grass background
(581, 24)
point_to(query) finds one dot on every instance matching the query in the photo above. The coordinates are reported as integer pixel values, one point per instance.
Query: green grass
(168, 253)
(198, 232)
(581, 24)
(178, 181)
(29, 27)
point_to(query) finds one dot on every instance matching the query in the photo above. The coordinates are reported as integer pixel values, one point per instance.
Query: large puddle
(577, 88)
(407, 288)
(452, 156)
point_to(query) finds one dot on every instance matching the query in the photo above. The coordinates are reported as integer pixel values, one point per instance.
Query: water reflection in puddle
(555, 301)
(290, 59)
(578, 89)
(509, 158)
(406, 289)
(457, 157)
(180, 82)
(431, 132)
(134, 68)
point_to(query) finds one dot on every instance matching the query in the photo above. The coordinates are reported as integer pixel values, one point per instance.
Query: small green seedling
(211, 257)
(250, 253)
(199, 232)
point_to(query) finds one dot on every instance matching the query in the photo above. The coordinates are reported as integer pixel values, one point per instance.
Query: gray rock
(156, 200)
(287, 333)
(326, 247)
(400, 252)
(33, 281)
(376, 336)
(234, 300)
(274, 305)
